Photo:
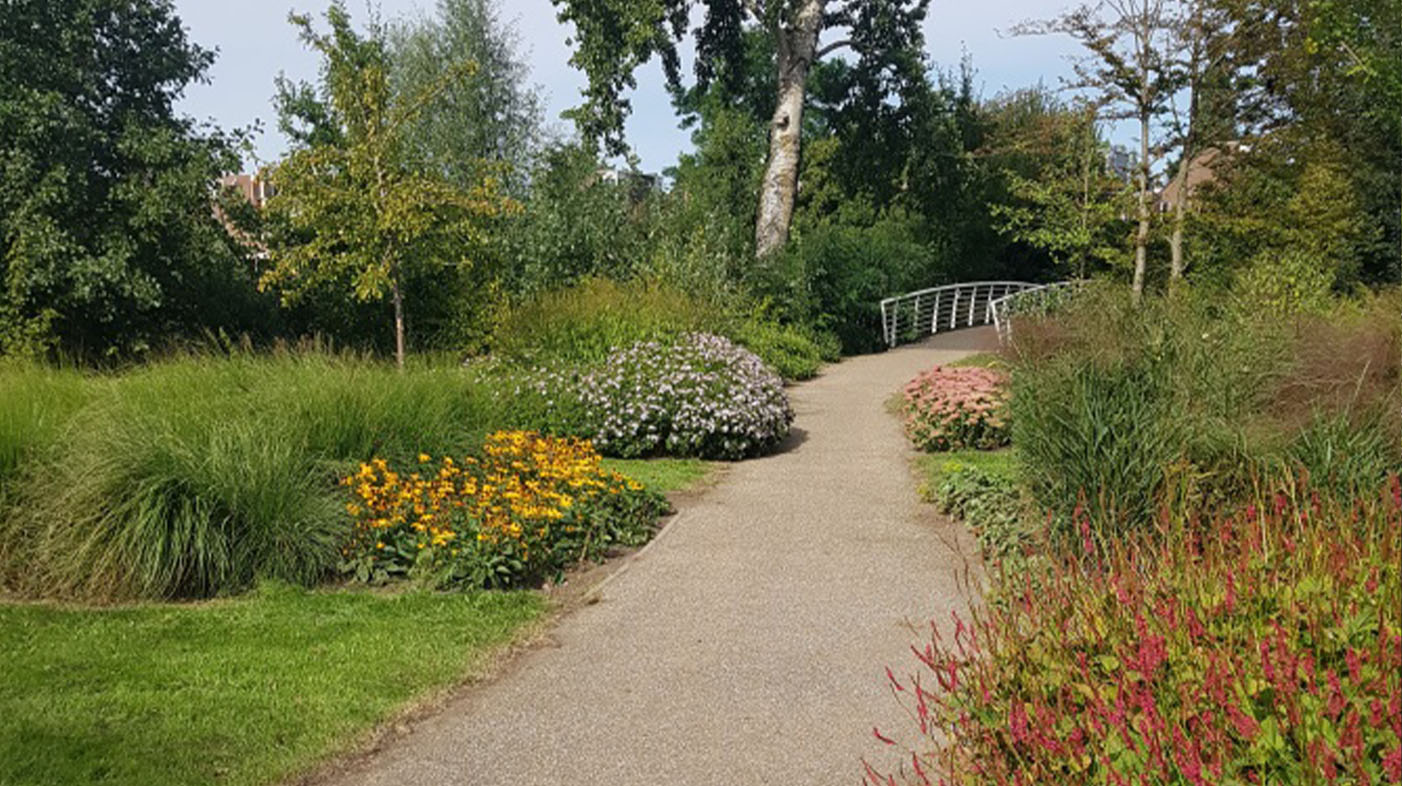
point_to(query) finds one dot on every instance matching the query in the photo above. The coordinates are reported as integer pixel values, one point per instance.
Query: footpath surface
(749, 644)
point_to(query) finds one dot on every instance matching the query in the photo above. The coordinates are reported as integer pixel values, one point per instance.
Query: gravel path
(748, 644)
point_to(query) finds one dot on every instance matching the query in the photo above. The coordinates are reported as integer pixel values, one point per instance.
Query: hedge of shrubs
(1258, 646)
(521, 513)
(700, 396)
(949, 408)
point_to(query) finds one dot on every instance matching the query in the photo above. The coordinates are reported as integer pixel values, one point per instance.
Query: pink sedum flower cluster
(952, 408)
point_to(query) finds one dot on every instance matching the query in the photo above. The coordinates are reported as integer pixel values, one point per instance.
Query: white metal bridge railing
(928, 311)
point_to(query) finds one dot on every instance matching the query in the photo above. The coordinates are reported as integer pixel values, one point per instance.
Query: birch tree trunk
(797, 42)
(1141, 237)
(1180, 204)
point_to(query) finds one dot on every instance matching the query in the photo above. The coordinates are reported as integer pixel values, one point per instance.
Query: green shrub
(1115, 400)
(584, 322)
(842, 272)
(196, 476)
(985, 495)
(791, 351)
(1285, 283)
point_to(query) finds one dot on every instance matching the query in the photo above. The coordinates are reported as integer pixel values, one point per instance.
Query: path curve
(749, 645)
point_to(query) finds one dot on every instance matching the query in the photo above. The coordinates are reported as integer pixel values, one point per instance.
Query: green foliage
(1116, 405)
(846, 271)
(245, 692)
(585, 322)
(491, 115)
(582, 324)
(195, 477)
(795, 353)
(1068, 204)
(981, 488)
(355, 208)
(1242, 645)
(1319, 96)
(108, 245)
(1285, 283)
(576, 225)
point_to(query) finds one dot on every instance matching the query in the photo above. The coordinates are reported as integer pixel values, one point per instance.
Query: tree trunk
(398, 298)
(779, 188)
(1180, 204)
(1141, 237)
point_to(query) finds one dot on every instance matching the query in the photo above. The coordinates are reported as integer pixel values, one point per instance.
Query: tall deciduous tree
(1129, 68)
(107, 238)
(1069, 204)
(1202, 40)
(492, 115)
(617, 36)
(353, 204)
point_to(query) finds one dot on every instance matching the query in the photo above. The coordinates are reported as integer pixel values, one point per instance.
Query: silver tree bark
(797, 42)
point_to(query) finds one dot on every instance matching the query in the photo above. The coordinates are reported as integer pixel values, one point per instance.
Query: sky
(254, 43)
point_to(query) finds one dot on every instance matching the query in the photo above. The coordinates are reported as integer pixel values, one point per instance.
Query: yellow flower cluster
(508, 499)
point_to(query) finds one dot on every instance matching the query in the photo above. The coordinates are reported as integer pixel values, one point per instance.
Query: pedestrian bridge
(925, 312)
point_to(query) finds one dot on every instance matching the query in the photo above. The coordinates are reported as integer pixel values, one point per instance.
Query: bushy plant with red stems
(1262, 647)
(949, 408)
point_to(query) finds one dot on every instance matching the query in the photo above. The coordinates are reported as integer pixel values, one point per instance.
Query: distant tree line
(831, 165)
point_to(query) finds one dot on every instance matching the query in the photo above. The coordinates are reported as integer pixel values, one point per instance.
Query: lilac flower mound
(701, 396)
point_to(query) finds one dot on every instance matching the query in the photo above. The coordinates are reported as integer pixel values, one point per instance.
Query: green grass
(245, 691)
(980, 360)
(194, 476)
(665, 474)
(1000, 464)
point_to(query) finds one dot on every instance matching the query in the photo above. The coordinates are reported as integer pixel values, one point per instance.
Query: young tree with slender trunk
(352, 206)
(1129, 67)
(1202, 59)
(614, 37)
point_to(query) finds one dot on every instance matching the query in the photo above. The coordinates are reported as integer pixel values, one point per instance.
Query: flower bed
(952, 408)
(1263, 647)
(702, 396)
(522, 512)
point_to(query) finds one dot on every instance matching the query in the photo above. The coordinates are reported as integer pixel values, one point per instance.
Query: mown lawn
(247, 690)
(665, 474)
(240, 691)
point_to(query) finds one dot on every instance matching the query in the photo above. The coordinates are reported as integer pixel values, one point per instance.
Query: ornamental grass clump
(949, 408)
(702, 396)
(520, 513)
(1264, 646)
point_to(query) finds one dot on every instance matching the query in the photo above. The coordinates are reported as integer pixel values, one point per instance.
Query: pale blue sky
(255, 42)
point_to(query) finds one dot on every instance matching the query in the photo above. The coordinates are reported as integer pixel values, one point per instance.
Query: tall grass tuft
(35, 402)
(582, 324)
(197, 476)
(1115, 403)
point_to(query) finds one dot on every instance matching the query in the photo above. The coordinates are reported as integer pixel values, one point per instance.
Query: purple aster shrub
(701, 396)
